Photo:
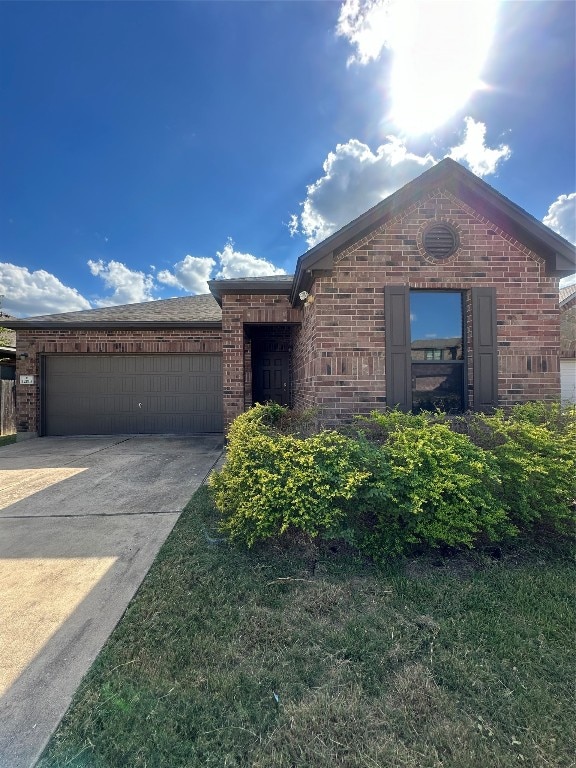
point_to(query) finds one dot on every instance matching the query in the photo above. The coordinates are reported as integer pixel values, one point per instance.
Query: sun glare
(439, 49)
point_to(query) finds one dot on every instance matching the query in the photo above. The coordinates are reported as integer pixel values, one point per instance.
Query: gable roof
(559, 254)
(204, 310)
(200, 311)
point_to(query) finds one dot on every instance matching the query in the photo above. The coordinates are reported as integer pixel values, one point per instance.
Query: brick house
(568, 343)
(444, 294)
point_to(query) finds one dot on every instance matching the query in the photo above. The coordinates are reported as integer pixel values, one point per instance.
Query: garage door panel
(133, 394)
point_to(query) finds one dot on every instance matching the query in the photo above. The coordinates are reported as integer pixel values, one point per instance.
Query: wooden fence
(7, 407)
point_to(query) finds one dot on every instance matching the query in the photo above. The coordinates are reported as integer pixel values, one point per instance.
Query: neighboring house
(7, 376)
(568, 343)
(444, 294)
(7, 349)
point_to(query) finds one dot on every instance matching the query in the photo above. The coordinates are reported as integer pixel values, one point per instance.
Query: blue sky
(148, 146)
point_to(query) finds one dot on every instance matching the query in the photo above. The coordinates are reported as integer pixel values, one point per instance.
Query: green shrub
(395, 482)
(536, 454)
(288, 421)
(431, 487)
(555, 417)
(378, 425)
(273, 482)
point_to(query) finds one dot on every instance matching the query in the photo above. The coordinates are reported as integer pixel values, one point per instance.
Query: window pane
(436, 325)
(438, 386)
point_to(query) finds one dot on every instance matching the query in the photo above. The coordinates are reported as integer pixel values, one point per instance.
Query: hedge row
(392, 482)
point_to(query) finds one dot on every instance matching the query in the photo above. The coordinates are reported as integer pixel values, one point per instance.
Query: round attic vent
(440, 241)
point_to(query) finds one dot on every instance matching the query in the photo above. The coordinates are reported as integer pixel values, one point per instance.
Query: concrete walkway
(81, 521)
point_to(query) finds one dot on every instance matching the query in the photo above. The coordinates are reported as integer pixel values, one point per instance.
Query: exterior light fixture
(303, 295)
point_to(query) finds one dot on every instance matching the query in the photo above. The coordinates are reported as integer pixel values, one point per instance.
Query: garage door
(132, 394)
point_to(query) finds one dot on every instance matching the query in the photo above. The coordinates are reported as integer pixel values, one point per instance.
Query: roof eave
(219, 288)
(362, 225)
(102, 325)
(560, 255)
(568, 303)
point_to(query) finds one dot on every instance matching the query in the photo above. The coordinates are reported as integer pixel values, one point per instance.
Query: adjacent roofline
(100, 324)
(200, 311)
(560, 255)
(569, 299)
(244, 285)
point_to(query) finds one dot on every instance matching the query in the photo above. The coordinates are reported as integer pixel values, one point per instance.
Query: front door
(271, 378)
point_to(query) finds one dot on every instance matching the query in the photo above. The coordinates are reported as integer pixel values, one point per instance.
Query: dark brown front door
(271, 381)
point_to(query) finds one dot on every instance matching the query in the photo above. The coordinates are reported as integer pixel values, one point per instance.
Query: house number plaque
(26, 379)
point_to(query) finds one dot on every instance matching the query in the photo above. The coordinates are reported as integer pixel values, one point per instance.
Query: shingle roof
(186, 310)
(567, 293)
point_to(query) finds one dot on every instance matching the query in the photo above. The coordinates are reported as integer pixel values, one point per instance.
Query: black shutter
(485, 342)
(398, 352)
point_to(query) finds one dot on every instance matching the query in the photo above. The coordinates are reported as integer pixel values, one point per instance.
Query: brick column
(232, 359)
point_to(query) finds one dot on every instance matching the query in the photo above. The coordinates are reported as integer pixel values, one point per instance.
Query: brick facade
(239, 310)
(337, 335)
(38, 342)
(340, 352)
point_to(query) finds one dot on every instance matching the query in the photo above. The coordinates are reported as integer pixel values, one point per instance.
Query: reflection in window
(437, 344)
(436, 325)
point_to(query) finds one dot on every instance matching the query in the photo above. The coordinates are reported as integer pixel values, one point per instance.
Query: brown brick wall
(79, 341)
(341, 351)
(303, 355)
(339, 334)
(237, 311)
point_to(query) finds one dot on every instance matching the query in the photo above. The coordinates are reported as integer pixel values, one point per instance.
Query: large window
(426, 348)
(437, 350)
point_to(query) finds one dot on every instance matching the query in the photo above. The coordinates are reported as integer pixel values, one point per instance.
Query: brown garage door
(132, 394)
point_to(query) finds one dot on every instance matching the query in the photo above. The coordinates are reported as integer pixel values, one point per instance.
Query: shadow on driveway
(81, 521)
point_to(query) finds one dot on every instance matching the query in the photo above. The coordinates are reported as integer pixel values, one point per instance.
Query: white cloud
(293, 225)
(236, 264)
(561, 216)
(36, 293)
(481, 160)
(129, 286)
(190, 274)
(368, 27)
(438, 50)
(193, 272)
(355, 179)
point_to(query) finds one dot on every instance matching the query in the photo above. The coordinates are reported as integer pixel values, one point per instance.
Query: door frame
(276, 340)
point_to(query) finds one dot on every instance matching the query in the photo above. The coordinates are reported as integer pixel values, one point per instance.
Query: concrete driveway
(81, 521)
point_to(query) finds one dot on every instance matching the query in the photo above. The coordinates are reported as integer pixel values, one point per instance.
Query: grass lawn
(7, 439)
(294, 659)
